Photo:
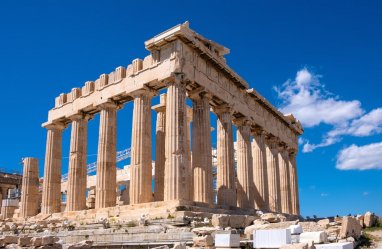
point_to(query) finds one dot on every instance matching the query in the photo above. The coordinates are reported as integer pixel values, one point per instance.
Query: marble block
(271, 238)
(227, 240)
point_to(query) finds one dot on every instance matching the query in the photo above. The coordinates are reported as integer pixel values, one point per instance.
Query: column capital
(258, 131)
(272, 141)
(243, 121)
(109, 105)
(146, 91)
(161, 107)
(55, 126)
(175, 79)
(292, 151)
(225, 108)
(80, 116)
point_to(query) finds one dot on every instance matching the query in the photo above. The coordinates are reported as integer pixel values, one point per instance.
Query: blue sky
(318, 59)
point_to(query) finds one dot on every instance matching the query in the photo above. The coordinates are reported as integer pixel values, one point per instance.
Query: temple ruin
(191, 66)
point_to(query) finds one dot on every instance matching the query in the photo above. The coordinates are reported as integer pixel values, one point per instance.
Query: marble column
(29, 191)
(244, 164)
(141, 166)
(294, 183)
(77, 175)
(51, 192)
(225, 179)
(202, 150)
(188, 151)
(160, 148)
(176, 177)
(285, 191)
(106, 161)
(260, 175)
(273, 174)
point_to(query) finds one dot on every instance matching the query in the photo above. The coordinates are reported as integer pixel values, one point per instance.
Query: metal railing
(92, 167)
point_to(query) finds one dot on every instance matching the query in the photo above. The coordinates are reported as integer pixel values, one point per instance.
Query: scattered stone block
(323, 223)
(24, 241)
(310, 226)
(270, 217)
(344, 245)
(10, 239)
(350, 228)
(249, 219)
(295, 246)
(316, 237)
(36, 241)
(370, 219)
(49, 240)
(237, 221)
(13, 246)
(220, 220)
(271, 238)
(360, 218)
(179, 246)
(161, 247)
(85, 244)
(203, 241)
(224, 240)
(295, 229)
(204, 230)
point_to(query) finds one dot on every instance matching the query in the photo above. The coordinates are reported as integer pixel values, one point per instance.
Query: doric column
(294, 183)
(244, 164)
(273, 174)
(225, 180)
(106, 161)
(284, 181)
(260, 176)
(160, 148)
(77, 175)
(202, 150)
(188, 151)
(29, 191)
(141, 166)
(177, 172)
(51, 193)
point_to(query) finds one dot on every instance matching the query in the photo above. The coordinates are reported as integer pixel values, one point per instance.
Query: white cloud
(360, 157)
(365, 193)
(324, 194)
(307, 99)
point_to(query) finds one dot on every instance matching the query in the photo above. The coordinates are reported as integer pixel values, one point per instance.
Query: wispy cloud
(324, 194)
(307, 98)
(360, 157)
(365, 193)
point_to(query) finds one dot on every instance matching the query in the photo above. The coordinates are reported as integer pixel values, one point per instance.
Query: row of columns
(266, 171)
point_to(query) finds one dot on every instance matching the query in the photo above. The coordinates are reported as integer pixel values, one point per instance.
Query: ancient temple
(185, 65)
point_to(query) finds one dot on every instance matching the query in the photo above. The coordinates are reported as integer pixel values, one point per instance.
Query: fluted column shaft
(260, 175)
(160, 148)
(294, 184)
(29, 192)
(273, 175)
(51, 193)
(201, 151)
(285, 191)
(244, 166)
(106, 161)
(188, 152)
(177, 172)
(77, 175)
(225, 180)
(141, 167)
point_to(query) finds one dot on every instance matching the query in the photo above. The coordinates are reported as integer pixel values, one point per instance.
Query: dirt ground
(377, 238)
